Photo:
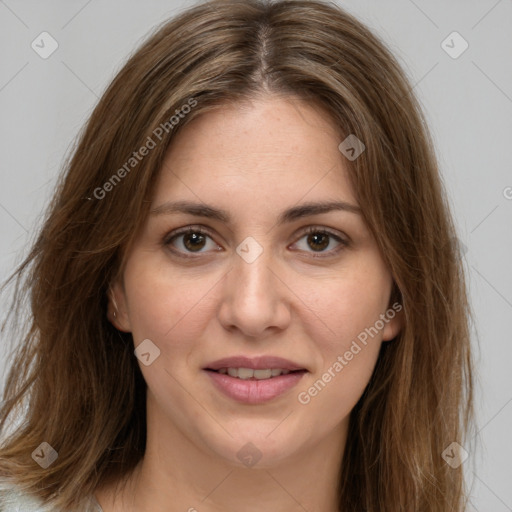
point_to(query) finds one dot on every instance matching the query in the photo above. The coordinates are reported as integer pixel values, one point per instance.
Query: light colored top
(14, 499)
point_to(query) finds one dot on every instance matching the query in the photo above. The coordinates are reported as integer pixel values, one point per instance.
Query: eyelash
(168, 239)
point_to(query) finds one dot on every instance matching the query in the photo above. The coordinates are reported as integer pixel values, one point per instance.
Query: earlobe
(394, 323)
(116, 309)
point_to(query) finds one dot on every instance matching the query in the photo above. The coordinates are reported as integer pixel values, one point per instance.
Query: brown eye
(318, 241)
(322, 242)
(190, 240)
(193, 241)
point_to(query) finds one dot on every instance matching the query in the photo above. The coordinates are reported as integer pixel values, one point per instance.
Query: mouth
(251, 374)
(254, 380)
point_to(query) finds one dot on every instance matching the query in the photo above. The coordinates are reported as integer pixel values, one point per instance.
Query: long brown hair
(77, 375)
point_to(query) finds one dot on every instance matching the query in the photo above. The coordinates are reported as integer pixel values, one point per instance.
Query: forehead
(273, 148)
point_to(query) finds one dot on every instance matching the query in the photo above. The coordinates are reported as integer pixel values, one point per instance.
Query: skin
(253, 160)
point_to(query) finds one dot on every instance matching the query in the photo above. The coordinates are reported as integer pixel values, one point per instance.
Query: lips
(254, 380)
(255, 363)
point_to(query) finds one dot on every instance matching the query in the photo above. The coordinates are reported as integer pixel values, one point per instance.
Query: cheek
(165, 306)
(345, 307)
(343, 330)
(347, 333)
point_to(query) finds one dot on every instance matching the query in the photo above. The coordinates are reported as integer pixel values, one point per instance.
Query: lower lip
(254, 391)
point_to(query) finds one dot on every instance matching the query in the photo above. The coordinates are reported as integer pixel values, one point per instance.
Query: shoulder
(14, 499)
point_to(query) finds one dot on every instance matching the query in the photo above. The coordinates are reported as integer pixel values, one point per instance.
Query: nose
(255, 299)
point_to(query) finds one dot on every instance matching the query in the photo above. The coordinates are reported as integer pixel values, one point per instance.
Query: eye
(192, 239)
(320, 239)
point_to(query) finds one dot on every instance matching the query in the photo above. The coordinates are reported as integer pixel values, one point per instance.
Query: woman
(247, 291)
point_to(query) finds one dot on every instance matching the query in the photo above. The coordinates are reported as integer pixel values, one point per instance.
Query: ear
(394, 321)
(117, 311)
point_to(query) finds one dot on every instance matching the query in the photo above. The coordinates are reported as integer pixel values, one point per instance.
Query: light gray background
(468, 103)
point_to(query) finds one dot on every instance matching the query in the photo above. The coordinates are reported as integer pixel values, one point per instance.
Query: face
(243, 270)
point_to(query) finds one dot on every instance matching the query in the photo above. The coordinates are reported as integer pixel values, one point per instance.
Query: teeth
(249, 373)
(245, 373)
(262, 374)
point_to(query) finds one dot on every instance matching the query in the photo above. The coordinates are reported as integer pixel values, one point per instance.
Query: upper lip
(255, 363)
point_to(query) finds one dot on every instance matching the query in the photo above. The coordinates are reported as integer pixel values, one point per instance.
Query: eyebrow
(289, 215)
